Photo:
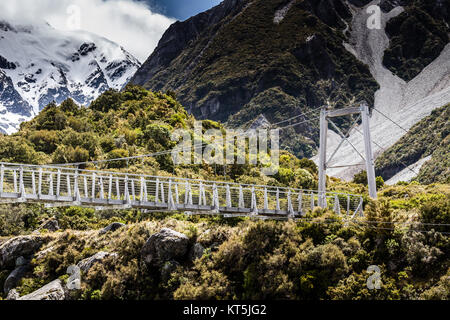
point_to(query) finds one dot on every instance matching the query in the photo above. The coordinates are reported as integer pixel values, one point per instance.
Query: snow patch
(408, 173)
(404, 102)
(54, 65)
(10, 121)
(281, 13)
(309, 38)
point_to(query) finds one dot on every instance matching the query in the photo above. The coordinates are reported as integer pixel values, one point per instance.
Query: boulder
(87, 263)
(167, 269)
(196, 252)
(112, 227)
(52, 291)
(13, 295)
(51, 225)
(43, 253)
(16, 247)
(21, 261)
(164, 246)
(14, 277)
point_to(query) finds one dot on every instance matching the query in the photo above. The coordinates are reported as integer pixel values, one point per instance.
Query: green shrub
(116, 154)
(436, 211)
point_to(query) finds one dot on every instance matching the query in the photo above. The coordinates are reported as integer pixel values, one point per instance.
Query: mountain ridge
(40, 64)
(296, 64)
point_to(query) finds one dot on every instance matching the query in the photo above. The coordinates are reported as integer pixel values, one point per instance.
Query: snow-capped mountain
(39, 64)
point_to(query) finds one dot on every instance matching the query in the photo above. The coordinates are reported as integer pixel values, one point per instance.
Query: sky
(181, 9)
(137, 25)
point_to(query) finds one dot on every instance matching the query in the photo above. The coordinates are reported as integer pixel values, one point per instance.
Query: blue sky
(181, 9)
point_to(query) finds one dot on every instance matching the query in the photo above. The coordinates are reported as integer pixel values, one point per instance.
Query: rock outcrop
(164, 246)
(112, 227)
(14, 277)
(17, 247)
(86, 264)
(51, 225)
(196, 252)
(13, 295)
(52, 291)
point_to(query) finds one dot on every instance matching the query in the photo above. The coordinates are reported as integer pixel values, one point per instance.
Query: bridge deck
(56, 186)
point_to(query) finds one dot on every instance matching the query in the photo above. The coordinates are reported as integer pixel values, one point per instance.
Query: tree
(110, 99)
(361, 178)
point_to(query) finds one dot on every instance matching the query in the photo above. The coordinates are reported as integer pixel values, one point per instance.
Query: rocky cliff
(276, 58)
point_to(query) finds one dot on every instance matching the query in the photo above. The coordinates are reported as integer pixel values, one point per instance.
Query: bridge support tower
(326, 117)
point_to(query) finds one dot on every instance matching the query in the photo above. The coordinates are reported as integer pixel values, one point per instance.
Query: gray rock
(14, 277)
(52, 291)
(112, 227)
(43, 253)
(16, 247)
(260, 123)
(87, 263)
(164, 246)
(21, 261)
(51, 225)
(13, 295)
(167, 269)
(196, 252)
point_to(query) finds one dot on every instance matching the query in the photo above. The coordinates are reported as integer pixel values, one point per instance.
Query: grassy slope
(245, 259)
(428, 137)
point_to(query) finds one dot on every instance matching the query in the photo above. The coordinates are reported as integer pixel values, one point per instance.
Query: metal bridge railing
(102, 189)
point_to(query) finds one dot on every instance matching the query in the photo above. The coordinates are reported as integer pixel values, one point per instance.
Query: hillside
(417, 36)
(398, 100)
(429, 137)
(120, 252)
(271, 60)
(245, 58)
(158, 256)
(128, 123)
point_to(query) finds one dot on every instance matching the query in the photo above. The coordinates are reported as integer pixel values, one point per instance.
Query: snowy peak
(39, 64)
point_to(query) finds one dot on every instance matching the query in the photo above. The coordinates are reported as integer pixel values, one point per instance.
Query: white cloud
(129, 23)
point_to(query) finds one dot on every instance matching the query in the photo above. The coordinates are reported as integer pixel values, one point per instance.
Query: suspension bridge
(68, 185)
(103, 190)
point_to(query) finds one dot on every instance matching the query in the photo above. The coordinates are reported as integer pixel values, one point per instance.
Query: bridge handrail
(135, 175)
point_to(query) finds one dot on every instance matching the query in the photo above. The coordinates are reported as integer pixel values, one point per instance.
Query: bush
(109, 100)
(117, 154)
(380, 182)
(360, 178)
(17, 150)
(304, 179)
(436, 211)
(44, 140)
(69, 154)
(76, 218)
(52, 118)
(157, 136)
